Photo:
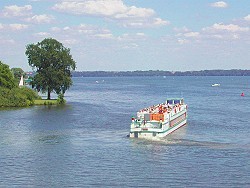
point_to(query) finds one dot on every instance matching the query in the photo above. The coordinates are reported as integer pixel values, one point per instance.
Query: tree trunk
(48, 94)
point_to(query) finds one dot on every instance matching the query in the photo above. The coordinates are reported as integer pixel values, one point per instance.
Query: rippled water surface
(84, 143)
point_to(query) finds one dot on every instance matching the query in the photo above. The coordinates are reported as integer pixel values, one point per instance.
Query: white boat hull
(142, 133)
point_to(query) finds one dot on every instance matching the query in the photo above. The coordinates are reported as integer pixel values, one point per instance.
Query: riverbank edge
(46, 102)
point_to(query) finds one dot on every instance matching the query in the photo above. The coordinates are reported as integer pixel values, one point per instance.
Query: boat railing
(147, 124)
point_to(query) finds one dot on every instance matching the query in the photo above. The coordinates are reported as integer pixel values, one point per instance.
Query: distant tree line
(233, 72)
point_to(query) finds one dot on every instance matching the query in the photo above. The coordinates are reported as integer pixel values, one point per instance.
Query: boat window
(169, 101)
(176, 101)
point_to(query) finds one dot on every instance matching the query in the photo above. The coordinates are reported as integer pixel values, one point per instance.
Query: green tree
(17, 72)
(6, 77)
(53, 65)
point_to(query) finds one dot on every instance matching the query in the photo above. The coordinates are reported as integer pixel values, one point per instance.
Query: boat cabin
(175, 101)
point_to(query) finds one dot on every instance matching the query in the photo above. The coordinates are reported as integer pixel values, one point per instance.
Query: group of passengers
(159, 109)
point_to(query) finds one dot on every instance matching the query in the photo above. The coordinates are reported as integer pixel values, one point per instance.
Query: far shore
(233, 72)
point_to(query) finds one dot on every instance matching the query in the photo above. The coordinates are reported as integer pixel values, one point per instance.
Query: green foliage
(6, 77)
(30, 94)
(17, 72)
(53, 64)
(17, 97)
(10, 94)
(60, 99)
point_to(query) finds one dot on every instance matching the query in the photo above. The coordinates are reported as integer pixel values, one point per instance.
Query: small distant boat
(215, 85)
(159, 120)
(242, 94)
(98, 81)
(21, 83)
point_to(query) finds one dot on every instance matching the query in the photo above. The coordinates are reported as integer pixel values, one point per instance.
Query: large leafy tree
(53, 64)
(6, 77)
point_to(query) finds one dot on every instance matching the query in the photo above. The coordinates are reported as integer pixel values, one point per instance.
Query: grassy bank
(46, 102)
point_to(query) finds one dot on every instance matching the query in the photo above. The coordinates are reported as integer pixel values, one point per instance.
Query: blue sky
(120, 35)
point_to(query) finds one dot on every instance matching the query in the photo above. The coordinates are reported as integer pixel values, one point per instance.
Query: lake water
(84, 143)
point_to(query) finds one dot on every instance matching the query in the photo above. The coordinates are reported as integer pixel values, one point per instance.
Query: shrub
(60, 99)
(17, 97)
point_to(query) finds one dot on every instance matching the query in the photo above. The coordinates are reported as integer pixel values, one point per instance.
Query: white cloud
(182, 41)
(130, 46)
(17, 27)
(141, 34)
(138, 24)
(55, 29)
(183, 29)
(116, 10)
(132, 37)
(42, 34)
(247, 18)
(16, 11)
(86, 29)
(189, 34)
(159, 22)
(229, 28)
(134, 12)
(217, 36)
(69, 41)
(66, 28)
(12, 27)
(104, 35)
(83, 30)
(144, 23)
(40, 19)
(235, 36)
(92, 7)
(192, 34)
(187, 37)
(219, 4)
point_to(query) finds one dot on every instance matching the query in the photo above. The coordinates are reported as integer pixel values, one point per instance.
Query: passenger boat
(159, 120)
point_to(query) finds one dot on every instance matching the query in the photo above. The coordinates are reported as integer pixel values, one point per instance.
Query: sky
(128, 35)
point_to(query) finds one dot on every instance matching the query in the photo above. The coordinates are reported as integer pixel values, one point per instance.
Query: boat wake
(212, 144)
(192, 143)
(187, 142)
